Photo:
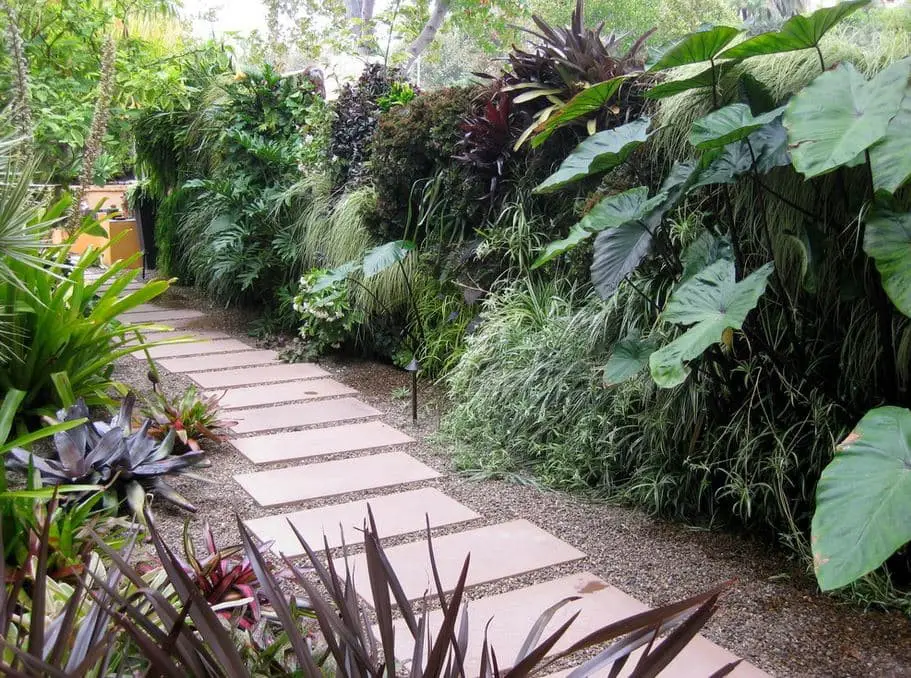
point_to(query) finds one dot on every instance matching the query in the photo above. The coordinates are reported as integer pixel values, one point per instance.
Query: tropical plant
(574, 74)
(400, 94)
(224, 577)
(129, 464)
(191, 416)
(487, 140)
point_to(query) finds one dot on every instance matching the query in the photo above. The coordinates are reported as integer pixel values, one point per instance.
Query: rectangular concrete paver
(395, 514)
(202, 335)
(146, 308)
(218, 361)
(497, 551)
(287, 485)
(318, 441)
(265, 374)
(257, 419)
(163, 316)
(200, 347)
(285, 392)
(513, 614)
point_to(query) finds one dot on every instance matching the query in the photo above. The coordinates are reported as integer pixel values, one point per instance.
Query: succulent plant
(190, 416)
(128, 464)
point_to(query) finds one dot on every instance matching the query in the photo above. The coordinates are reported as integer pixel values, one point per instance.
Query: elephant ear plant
(129, 464)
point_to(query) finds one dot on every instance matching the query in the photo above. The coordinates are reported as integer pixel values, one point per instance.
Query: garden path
(295, 413)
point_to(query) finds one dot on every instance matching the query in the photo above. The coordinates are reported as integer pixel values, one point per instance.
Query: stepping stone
(219, 361)
(199, 347)
(201, 335)
(318, 441)
(267, 374)
(285, 392)
(497, 551)
(395, 514)
(513, 614)
(164, 316)
(146, 308)
(287, 485)
(302, 414)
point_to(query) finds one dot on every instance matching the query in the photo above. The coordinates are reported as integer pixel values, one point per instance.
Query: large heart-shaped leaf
(629, 358)
(612, 211)
(697, 47)
(383, 256)
(585, 103)
(863, 499)
(727, 125)
(335, 275)
(798, 32)
(701, 80)
(840, 114)
(712, 302)
(890, 158)
(703, 252)
(599, 153)
(619, 250)
(887, 239)
(723, 166)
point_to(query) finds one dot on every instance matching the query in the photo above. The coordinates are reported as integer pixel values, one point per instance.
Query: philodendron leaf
(384, 256)
(577, 235)
(701, 80)
(697, 47)
(798, 32)
(863, 499)
(890, 158)
(727, 125)
(629, 358)
(712, 302)
(840, 114)
(337, 274)
(599, 153)
(704, 251)
(586, 102)
(887, 239)
(611, 212)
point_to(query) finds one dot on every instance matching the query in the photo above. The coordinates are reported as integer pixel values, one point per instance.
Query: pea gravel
(773, 616)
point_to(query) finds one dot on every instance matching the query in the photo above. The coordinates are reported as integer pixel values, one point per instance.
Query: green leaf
(611, 212)
(839, 115)
(703, 252)
(863, 499)
(384, 256)
(629, 358)
(8, 409)
(617, 253)
(697, 47)
(712, 302)
(727, 125)
(723, 166)
(887, 240)
(699, 81)
(890, 158)
(599, 153)
(798, 32)
(577, 235)
(335, 275)
(586, 102)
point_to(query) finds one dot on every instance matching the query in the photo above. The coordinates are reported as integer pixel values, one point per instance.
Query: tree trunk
(429, 32)
(362, 28)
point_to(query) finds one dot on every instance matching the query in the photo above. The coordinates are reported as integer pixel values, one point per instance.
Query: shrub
(414, 143)
(191, 416)
(326, 314)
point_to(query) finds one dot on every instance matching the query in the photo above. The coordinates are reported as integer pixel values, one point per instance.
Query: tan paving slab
(512, 615)
(164, 316)
(313, 442)
(265, 374)
(287, 485)
(219, 361)
(257, 419)
(395, 514)
(201, 335)
(201, 346)
(497, 551)
(146, 308)
(285, 392)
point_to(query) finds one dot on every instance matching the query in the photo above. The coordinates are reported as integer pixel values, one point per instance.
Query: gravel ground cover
(772, 617)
